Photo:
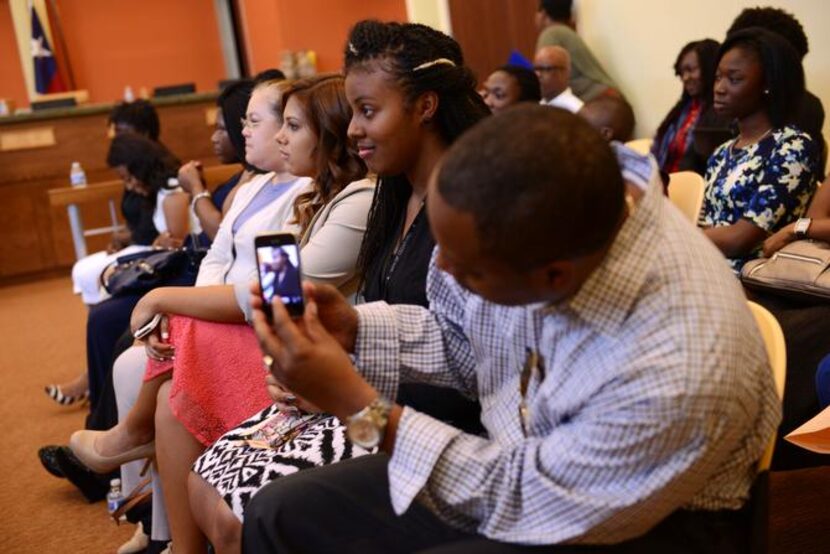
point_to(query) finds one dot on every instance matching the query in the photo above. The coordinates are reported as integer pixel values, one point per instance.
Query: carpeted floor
(42, 325)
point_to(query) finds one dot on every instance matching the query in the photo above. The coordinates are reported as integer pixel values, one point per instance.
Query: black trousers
(105, 323)
(345, 508)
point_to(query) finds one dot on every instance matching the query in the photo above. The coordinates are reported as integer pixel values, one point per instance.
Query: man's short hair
(557, 10)
(556, 194)
(613, 112)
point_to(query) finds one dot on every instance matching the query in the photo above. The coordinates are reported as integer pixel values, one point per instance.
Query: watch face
(363, 433)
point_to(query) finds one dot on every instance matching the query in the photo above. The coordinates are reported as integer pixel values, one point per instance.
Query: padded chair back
(641, 146)
(777, 352)
(686, 192)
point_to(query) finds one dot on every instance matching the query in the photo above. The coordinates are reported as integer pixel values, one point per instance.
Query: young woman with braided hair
(411, 97)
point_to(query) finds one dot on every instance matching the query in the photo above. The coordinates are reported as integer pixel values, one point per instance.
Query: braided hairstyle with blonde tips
(418, 59)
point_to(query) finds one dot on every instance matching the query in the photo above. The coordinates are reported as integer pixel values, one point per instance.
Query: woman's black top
(400, 276)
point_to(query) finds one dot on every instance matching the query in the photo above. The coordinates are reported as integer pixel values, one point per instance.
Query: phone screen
(278, 261)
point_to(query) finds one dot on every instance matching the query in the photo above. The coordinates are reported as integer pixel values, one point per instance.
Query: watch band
(801, 227)
(367, 427)
(203, 194)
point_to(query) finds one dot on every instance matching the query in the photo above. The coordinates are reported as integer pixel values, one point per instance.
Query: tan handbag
(801, 269)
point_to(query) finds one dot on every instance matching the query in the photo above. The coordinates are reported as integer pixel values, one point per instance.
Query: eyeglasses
(546, 68)
(248, 123)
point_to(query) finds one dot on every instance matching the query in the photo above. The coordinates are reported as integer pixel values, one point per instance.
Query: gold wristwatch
(367, 427)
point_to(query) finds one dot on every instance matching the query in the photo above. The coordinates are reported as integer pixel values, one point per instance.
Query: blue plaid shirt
(656, 392)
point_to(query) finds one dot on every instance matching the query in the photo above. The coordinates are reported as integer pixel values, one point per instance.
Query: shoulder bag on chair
(143, 271)
(800, 269)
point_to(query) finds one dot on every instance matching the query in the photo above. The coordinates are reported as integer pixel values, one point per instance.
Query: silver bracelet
(203, 194)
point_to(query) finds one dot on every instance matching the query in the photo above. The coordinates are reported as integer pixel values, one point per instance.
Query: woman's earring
(766, 91)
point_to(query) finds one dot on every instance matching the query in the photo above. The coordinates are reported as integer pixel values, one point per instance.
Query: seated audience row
(461, 277)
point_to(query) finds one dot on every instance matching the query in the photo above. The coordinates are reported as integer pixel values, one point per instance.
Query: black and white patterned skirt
(249, 457)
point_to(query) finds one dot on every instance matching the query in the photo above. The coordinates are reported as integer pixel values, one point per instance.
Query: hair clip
(352, 49)
(439, 61)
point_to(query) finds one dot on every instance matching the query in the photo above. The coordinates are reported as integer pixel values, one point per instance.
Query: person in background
(509, 85)
(809, 112)
(552, 65)
(762, 180)
(612, 116)
(674, 144)
(556, 26)
(139, 117)
(229, 147)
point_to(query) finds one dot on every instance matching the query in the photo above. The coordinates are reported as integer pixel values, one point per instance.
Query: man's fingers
(284, 327)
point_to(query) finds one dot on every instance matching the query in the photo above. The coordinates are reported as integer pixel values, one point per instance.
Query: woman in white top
(329, 218)
(145, 167)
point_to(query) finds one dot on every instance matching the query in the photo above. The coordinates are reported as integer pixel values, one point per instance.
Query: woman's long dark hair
(783, 72)
(408, 52)
(324, 102)
(146, 160)
(707, 53)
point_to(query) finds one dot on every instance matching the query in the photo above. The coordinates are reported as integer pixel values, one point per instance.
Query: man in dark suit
(286, 279)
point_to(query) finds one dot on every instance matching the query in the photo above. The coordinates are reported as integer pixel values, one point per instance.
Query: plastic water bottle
(114, 497)
(77, 177)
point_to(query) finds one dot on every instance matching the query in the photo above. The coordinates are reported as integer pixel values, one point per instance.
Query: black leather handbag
(143, 271)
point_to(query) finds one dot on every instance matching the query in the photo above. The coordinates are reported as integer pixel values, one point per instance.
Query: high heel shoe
(55, 393)
(82, 444)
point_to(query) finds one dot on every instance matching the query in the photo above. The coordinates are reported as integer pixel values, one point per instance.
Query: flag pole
(53, 15)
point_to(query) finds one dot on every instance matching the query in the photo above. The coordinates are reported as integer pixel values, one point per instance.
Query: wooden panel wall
(489, 29)
(36, 237)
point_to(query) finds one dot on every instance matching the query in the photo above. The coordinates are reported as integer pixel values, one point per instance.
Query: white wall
(638, 40)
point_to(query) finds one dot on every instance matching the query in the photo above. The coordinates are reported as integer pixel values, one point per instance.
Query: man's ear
(607, 133)
(427, 106)
(559, 277)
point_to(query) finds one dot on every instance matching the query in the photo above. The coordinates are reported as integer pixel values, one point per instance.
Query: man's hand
(308, 359)
(335, 313)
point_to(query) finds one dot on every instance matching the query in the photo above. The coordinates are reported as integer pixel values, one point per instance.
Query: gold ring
(268, 361)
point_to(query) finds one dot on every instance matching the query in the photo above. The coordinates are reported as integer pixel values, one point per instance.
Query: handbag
(801, 269)
(143, 271)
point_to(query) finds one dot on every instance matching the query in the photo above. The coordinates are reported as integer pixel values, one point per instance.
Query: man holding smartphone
(624, 386)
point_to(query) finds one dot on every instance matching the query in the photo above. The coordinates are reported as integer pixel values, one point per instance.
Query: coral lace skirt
(218, 378)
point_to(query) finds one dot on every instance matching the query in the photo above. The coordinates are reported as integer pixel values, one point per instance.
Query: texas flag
(47, 77)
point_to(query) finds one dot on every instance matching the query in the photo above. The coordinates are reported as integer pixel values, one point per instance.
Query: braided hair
(418, 59)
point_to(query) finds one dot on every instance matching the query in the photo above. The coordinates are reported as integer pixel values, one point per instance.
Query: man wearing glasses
(552, 65)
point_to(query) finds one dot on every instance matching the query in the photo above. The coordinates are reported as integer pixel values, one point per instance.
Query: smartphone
(278, 266)
(147, 328)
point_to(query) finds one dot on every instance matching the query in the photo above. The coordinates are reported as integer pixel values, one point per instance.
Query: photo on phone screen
(278, 262)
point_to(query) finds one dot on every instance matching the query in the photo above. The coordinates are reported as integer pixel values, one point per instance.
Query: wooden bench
(110, 191)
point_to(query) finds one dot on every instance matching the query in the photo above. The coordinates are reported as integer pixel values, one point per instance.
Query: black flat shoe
(49, 458)
(92, 485)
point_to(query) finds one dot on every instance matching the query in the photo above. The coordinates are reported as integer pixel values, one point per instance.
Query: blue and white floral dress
(769, 183)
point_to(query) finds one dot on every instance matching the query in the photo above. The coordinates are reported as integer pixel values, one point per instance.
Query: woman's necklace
(751, 141)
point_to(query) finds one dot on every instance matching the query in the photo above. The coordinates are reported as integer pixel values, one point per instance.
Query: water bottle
(114, 497)
(77, 177)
